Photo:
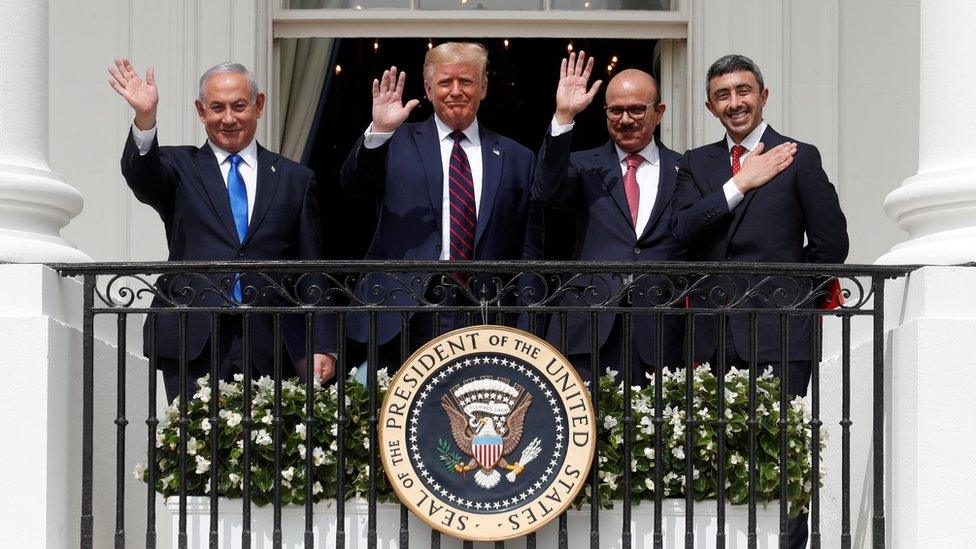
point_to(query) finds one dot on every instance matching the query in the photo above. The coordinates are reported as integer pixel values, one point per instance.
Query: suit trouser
(612, 358)
(230, 361)
(796, 385)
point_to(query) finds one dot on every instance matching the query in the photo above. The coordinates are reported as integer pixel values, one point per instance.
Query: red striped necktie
(464, 216)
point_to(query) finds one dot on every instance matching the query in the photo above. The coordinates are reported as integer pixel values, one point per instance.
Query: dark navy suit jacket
(590, 183)
(184, 185)
(404, 176)
(768, 225)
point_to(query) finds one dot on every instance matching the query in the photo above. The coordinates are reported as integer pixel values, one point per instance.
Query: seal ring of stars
(551, 468)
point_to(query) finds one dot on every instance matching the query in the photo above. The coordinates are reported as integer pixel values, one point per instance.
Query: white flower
(159, 438)
(235, 479)
(649, 452)
(301, 451)
(203, 465)
(238, 377)
(318, 456)
(609, 422)
(678, 452)
(267, 419)
(288, 473)
(233, 419)
(140, 471)
(736, 459)
(317, 488)
(191, 446)
(261, 437)
(300, 429)
(205, 425)
(202, 394)
(612, 374)
(649, 482)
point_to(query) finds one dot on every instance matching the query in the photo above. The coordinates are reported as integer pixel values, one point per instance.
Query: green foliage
(228, 457)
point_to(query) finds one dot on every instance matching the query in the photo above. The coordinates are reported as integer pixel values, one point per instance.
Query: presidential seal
(487, 433)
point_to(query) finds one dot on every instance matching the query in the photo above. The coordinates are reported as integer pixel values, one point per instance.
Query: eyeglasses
(635, 112)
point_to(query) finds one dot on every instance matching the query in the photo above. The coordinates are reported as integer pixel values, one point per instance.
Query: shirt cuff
(143, 139)
(374, 140)
(555, 129)
(732, 194)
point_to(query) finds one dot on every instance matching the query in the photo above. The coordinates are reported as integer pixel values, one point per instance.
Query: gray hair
(733, 63)
(236, 68)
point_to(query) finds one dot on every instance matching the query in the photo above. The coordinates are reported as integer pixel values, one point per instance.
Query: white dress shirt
(248, 166)
(472, 148)
(648, 174)
(732, 193)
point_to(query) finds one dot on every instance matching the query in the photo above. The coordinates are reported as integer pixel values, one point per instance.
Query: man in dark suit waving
(230, 199)
(445, 188)
(620, 193)
(754, 196)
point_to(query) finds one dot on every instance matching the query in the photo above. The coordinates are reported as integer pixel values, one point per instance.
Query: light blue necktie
(237, 193)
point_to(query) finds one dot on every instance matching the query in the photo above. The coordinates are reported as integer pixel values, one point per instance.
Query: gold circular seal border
(399, 400)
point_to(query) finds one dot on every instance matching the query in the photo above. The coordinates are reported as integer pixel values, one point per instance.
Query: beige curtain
(304, 66)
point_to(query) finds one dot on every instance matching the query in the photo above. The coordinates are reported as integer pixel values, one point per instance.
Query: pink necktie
(631, 189)
(737, 151)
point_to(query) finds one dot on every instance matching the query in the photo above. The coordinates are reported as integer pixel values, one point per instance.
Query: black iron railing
(541, 297)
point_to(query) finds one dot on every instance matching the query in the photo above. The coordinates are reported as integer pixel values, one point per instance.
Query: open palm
(389, 112)
(142, 96)
(572, 95)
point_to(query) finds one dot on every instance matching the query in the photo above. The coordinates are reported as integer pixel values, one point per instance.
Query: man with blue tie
(620, 193)
(230, 199)
(445, 188)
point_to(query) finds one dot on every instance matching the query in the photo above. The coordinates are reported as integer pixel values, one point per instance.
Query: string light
(376, 45)
(609, 68)
(506, 42)
(430, 44)
(569, 47)
(338, 69)
(614, 60)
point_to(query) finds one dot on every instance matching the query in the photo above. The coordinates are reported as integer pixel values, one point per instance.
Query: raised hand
(762, 165)
(141, 95)
(388, 108)
(571, 93)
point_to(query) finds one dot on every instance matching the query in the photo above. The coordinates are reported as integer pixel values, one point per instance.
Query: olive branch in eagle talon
(487, 417)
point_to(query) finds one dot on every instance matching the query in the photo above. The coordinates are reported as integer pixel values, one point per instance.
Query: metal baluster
(88, 400)
(214, 425)
(784, 407)
(878, 530)
(404, 354)
(595, 372)
(120, 423)
(753, 426)
(658, 425)
(341, 430)
(182, 423)
(563, 526)
(310, 426)
(628, 421)
(815, 424)
(690, 432)
(720, 425)
(248, 423)
(845, 429)
(152, 423)
(276, 533)
(372, 363)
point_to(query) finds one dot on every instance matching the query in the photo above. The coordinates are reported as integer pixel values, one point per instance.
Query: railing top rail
(346, 266)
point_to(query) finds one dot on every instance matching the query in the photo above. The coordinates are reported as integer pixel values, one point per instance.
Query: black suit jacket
(185, 187)
(768, 225)
(590, 183)
(404, 176)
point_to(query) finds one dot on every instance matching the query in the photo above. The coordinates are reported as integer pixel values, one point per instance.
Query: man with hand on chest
(620, 193)
(756, 196)
(230, 199)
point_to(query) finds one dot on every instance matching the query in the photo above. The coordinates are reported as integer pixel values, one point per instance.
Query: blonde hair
(456, 52)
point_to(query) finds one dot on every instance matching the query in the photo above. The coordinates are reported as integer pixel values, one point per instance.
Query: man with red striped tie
(445, 188)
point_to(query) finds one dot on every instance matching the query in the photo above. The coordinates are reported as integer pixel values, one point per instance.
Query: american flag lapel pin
(496, 151)
(272, 168)
(675, 169)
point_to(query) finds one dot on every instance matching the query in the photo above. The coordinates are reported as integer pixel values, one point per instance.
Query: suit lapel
(428, 146)
(667, 178)
(213, 184)
(613, 180)
(771, 139)
(267, 185)
(492, 161)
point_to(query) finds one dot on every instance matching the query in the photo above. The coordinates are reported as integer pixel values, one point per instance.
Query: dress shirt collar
(751, 141)
(651, 154)
(249, 154)
(471, 132)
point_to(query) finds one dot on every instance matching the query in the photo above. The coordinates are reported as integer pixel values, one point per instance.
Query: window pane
(344, 4)
(656, 5)
(480, 4)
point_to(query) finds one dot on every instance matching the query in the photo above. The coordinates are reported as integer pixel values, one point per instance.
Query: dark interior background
(522, 77)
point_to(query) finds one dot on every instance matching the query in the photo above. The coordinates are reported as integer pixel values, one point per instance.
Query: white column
(35, 203)
(937, 206)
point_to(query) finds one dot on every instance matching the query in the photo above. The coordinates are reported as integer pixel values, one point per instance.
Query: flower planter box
(388, 525)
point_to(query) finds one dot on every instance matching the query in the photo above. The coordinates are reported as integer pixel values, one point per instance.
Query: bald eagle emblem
(486, 416)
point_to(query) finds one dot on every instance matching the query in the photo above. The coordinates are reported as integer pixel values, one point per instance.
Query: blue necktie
(237, 193)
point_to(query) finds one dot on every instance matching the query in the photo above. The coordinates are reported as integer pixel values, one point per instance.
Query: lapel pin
(497, 152)
(676, 169)
(272, 168)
